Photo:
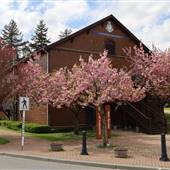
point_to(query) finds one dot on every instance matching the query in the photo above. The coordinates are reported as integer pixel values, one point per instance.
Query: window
(110, 46)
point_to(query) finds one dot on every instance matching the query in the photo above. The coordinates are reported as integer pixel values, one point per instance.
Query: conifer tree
(65, 33)
(12, 36)
(39, 39)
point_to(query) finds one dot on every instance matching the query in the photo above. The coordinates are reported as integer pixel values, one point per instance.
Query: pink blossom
(151, 70)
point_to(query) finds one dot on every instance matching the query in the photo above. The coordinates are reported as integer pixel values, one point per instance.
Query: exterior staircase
(159, 123)
(141, 119)
(151, 121)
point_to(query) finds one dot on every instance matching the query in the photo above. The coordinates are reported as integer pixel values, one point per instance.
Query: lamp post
(84, 144)
(164, 156)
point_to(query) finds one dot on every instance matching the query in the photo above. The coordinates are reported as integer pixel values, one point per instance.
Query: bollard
(84, 144)
(164, 156)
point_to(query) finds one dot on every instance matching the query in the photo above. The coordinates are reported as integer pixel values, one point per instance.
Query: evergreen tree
(12, 35)
(39, 39)
(65, 33)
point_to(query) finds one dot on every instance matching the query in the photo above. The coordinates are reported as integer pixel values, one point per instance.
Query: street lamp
(84, 144)
(164, 156)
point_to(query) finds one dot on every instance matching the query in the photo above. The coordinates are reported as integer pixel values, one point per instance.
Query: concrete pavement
(11, 163)
(79, 164)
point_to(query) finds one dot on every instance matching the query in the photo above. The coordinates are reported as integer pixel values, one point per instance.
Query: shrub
(14, 125)
(29, 127)
(36, 128)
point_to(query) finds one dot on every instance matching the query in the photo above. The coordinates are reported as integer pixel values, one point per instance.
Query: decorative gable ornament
(109, 26)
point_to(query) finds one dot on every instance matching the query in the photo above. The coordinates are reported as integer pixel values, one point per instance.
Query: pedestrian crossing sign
(23, 103)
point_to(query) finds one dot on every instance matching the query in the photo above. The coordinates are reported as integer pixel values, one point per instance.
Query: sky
(148, 20)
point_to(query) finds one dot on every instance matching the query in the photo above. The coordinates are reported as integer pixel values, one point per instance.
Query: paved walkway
(144, 150)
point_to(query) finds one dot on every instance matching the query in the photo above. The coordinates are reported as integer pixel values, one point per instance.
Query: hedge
(36, 128)
(29, 127)
(14, 125)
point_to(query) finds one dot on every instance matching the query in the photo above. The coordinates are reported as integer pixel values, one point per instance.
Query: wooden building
(109, 34)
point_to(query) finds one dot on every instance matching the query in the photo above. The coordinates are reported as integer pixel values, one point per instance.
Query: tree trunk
(104, 127)
(76, 124)
(76, 109)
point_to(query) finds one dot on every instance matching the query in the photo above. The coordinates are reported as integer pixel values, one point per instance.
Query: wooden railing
(143, 120)
(157, 118)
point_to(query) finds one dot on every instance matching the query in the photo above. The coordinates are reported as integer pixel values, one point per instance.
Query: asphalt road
(8, 163)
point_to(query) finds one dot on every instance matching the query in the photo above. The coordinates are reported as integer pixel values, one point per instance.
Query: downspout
(47, 55)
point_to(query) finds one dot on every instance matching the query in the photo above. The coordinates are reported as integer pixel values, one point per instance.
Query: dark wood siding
(69, 52)
(87, 41)
(64, 117)
(65, 54)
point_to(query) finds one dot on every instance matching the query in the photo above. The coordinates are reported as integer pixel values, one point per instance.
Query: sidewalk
(144, 150)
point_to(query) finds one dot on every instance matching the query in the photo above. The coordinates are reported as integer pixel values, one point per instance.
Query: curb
(84, 163)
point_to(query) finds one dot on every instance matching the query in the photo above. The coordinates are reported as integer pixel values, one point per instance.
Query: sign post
(23, 106)
(23, 130)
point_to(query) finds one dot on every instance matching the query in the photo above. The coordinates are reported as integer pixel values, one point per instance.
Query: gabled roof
(110, 17)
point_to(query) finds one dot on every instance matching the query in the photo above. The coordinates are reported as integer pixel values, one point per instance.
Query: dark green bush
(29, 127)
(15, 125)
(62, 129)
(36, 128)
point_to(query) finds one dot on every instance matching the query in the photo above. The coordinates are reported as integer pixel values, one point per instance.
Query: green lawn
(56, 136)
(64, 136)
(3, 141)
(167, 110)
(167, 117)
(68, 136)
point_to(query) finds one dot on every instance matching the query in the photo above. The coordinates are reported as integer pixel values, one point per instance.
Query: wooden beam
(85, 51)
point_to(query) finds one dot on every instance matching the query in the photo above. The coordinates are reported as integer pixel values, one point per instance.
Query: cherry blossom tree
(61, 94)
(152, 71)
(7, 55)
(89, 83)
(94, 83)
(31, 80)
